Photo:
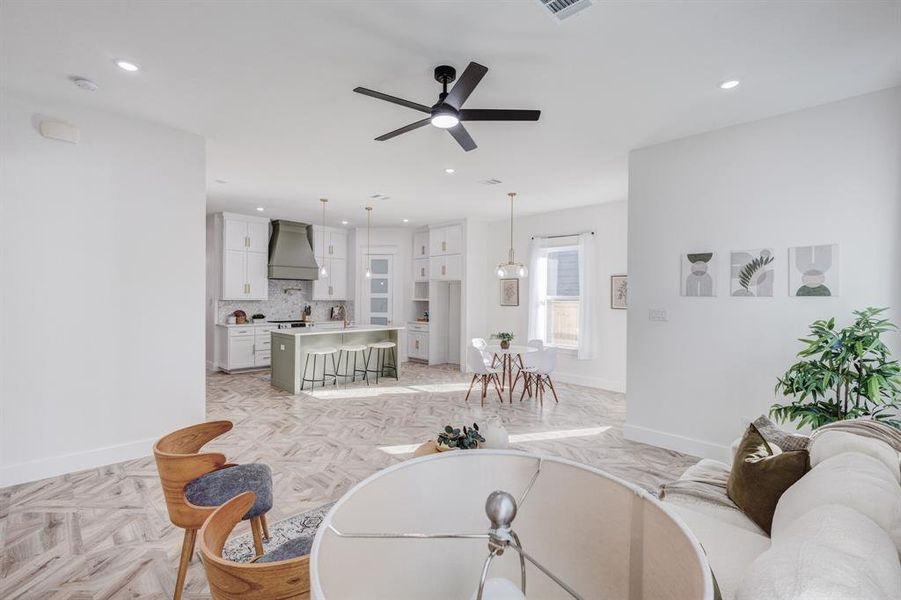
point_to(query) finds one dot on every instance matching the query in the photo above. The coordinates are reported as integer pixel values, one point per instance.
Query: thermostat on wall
(57, 130)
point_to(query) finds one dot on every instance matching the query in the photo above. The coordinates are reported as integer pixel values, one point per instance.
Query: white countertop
(326, 331)
(260, 324)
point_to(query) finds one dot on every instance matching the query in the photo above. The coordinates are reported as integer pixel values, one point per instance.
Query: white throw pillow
(851, 479)
(831, 443)
(830, 552)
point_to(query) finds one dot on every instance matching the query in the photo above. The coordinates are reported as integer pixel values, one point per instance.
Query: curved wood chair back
(179, 461)
(282, 580)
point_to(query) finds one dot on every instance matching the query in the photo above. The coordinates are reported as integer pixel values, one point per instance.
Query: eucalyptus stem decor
(846, 374)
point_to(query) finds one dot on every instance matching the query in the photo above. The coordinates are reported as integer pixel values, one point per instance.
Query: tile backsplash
(286, 301)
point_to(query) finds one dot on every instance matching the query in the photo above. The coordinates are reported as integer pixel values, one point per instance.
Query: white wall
(102, 264)
(609, 222)
(830, 174)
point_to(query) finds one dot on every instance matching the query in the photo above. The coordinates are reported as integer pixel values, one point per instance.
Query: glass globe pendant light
(511, 269)
(368, 272)
(323, 272)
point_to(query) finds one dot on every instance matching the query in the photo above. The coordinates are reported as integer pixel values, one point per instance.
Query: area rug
(305, 524)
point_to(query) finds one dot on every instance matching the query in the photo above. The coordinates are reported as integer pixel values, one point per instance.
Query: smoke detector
(563, 9)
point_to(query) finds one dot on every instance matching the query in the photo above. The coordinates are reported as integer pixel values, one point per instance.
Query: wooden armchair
(179, 463)
(263, 579)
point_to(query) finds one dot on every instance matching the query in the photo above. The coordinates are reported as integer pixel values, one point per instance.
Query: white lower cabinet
(244, 346)
(418, 341)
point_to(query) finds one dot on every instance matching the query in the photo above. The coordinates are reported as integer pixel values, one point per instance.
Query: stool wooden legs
(265, 525)
(187, 549)
(256, 528)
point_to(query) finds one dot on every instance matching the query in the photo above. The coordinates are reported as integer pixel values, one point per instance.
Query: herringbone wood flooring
(104, 533)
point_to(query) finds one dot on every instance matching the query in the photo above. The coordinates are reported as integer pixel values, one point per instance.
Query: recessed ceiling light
(344, 222)
(85, 84)
(127, 66)
(728, 85)
(449, 171)
(406, 220)
(260, 208)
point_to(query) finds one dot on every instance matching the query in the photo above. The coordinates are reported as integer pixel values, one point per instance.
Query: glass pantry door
(379, 287)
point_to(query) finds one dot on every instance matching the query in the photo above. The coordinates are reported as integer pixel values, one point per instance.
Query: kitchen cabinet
(420, 245)
(418, 341)
(245, 257)
(244, 346)
(329, 242)
(446, 268)
(334, 285)
(446, 240)
(421, 269)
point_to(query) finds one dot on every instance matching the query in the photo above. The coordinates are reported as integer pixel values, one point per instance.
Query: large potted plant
(845, 374)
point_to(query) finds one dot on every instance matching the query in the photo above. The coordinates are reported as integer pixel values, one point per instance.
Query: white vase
(496, 436)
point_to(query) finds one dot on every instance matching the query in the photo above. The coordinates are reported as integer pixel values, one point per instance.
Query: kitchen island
(290, 347)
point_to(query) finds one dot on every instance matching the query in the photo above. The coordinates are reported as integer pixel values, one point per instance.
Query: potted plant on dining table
(504, 337)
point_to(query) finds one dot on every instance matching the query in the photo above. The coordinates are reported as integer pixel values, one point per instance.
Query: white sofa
(836, 532)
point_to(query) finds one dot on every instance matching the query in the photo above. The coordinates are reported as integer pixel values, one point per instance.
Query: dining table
(510, 357)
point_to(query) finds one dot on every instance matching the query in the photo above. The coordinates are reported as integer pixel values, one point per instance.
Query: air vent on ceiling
(563, 9)
(380, 197)
(491, 181)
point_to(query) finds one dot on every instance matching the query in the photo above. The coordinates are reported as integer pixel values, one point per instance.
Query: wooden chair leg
(471, 383)
(265, 525)
(497, 387)
(187, 549)
(256, 529)
(525, 386)
(484, 388)
(553, 390)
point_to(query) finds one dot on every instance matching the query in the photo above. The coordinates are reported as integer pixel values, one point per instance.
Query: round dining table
(510, 357)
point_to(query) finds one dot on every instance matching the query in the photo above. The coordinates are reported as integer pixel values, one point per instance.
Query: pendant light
(323, 272)
(368, 272)
(511, 269)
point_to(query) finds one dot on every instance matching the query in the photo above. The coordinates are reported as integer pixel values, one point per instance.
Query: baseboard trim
(679, 443)
(593, 382)
(34, 470)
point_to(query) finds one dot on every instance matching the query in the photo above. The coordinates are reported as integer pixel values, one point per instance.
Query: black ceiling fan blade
(499, 114)
(393, 99)
(463, 138)
(403, 129)
(466, 84)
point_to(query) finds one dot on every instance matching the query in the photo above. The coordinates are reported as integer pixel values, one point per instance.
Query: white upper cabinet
(245, 257)
(446, 268)
(421, 245)
(330, 244)
(445, 240)
(421, 269)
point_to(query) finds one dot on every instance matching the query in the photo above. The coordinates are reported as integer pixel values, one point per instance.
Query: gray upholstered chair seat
(218, 487)
(290, 549)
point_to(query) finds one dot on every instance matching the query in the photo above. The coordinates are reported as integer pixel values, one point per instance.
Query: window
(561, 303)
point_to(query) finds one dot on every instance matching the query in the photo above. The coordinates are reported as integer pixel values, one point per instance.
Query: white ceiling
(269, 85)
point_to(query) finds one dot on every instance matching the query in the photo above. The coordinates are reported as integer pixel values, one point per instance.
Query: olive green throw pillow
(760, 474)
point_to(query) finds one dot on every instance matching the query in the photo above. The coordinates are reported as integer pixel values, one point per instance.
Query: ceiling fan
(448, 113)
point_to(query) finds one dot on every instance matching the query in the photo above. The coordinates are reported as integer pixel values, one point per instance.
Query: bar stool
(345, 351)
(381, 351)
(316, 353)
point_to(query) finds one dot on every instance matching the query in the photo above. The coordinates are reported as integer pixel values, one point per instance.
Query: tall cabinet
(437, 289)
(245, 256)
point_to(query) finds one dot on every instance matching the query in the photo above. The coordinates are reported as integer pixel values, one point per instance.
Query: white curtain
(537, 290)
(587, 299)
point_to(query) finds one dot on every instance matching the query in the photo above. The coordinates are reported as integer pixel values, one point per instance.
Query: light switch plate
(657, 314)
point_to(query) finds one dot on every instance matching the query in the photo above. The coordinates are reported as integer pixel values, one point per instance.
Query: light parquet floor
(104, 533)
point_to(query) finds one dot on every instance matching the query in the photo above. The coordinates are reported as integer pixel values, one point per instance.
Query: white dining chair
(477, 361)
(482, 345)
(542, 364)
(527, 364)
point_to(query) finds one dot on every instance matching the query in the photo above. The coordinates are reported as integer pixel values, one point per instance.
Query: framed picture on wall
(509, 292)
(619, 292)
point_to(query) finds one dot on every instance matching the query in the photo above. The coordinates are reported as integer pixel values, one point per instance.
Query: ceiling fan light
(445, 121)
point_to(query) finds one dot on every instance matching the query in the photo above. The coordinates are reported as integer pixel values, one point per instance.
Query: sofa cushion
(851, 479)
(776, 436)
(730, 547)
(830, 443)
(760, 474)
(830, 552)
(218, 487)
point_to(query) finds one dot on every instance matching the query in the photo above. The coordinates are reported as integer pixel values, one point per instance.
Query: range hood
(291, 253)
